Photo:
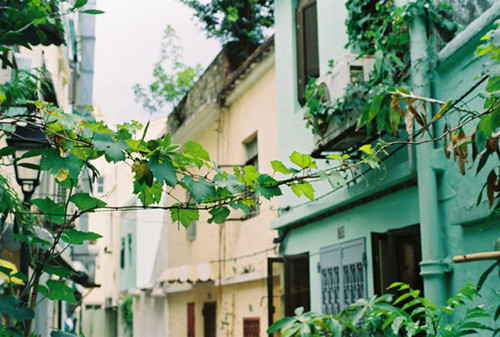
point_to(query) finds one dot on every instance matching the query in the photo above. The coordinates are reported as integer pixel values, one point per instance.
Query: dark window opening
(122, 254)
(307, 44)
(297, 287)
(209, 319)
(129, 236)
(396, 258)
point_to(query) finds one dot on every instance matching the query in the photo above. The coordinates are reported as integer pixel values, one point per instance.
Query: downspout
(434, 266)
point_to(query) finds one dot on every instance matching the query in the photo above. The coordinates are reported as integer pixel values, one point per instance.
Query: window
(343, 275)
(122, 254)
(253, 159)
(209, 319)
(129, 236)
(100, 185)
(297, 286)
(191, 230)
(190, 320)
(306, 18)
(251, 327)
(396, 258)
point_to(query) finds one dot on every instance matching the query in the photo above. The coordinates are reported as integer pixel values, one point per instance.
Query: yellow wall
(252, 113)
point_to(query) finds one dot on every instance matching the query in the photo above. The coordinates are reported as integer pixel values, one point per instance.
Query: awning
(194, 273)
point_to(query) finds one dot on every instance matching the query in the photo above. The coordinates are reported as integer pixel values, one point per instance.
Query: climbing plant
(385, 103)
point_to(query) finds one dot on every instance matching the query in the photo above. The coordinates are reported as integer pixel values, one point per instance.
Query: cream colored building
(125, 253)
(211, 280)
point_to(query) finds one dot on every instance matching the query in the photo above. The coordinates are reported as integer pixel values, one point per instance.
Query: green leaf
(305, 188)
(7, 151)
(163, 172)
(148, 195)
(199, 189)
(59, 333)
(485, 275)
(230, 182)
(57, 290)
(280, 167)
(56, 270)
(113, 149)
(93, 11)
(71, 165)
(267, 186)
(80, 3)
(9, 306)
(334, 178)
(85, 202)
(186, 216)
(52, 211)
(219, 215)
(304, 161)
(75, 237)
(195, 150)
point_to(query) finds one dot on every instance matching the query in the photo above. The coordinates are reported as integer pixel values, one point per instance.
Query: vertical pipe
(433, 266)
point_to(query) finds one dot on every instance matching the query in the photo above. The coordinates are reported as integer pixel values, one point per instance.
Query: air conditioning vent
(341, 134)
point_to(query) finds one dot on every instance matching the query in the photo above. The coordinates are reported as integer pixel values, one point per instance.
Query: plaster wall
(151, 316)
(459, 218)
(250, 115)
(236, 302)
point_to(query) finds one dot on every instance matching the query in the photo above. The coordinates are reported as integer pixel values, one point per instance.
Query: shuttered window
(307, 44)
(190, 320)
(343, 275)
(251, 327)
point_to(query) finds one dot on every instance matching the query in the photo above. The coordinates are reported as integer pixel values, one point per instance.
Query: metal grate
(251, 327)
(343, 280)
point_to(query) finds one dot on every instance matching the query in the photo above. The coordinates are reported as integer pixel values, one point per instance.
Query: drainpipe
(434, 266)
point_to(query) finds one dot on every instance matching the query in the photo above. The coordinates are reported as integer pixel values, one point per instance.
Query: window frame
(302, 75)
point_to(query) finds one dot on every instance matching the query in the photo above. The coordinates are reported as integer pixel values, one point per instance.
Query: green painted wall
(310, 226)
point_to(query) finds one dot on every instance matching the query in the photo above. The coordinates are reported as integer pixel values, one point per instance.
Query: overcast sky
(128, 37)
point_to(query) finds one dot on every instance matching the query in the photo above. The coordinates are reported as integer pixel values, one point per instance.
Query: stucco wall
(461, 221)
(238, 301)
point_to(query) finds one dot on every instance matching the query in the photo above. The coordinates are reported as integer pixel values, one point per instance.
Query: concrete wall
(99, 322)
(236, 302)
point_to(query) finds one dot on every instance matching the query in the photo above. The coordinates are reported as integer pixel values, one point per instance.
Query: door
(209, 319)
(396, 258)
(297, 287)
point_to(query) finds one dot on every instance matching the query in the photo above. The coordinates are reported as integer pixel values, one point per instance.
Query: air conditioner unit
(341, 133)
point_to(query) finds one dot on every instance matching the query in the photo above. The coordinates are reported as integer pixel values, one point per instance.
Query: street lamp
(27, 165)
(27, 138)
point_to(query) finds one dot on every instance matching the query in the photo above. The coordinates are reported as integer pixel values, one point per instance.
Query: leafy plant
(241, 25)
(172, 78)
(408, 314)
(127, 313)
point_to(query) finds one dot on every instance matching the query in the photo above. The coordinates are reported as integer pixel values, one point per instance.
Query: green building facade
(402, 224)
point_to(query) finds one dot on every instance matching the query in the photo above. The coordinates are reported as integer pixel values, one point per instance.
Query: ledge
(482, 23)
(242, 278)
(398, 177)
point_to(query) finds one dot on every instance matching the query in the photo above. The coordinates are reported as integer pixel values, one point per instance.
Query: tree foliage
(172, 78)
(241, 25)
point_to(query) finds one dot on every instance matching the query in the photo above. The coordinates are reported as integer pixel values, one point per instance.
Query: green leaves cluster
(240, 25)
(172, 78)
(407, 314)
(380, 29)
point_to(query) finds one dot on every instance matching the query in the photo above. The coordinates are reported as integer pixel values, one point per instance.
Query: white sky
(128, 39)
